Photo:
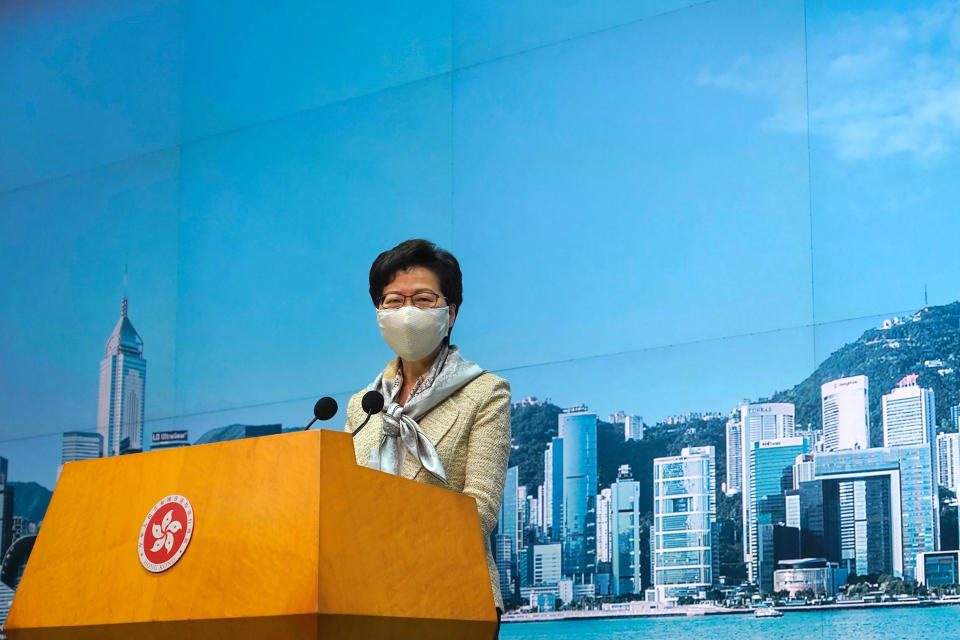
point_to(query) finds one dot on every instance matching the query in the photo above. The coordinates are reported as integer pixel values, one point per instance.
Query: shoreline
(698, 611)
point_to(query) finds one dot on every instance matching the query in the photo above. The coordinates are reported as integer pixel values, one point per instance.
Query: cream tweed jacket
(471, 432)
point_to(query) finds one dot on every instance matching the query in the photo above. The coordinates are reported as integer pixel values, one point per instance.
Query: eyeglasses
(424, 299)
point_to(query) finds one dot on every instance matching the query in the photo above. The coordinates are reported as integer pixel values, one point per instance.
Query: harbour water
(927, 623)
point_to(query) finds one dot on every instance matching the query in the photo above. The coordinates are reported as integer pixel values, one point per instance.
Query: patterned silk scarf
(401, 433)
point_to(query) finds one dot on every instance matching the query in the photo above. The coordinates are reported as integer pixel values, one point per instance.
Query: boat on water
(767, 612)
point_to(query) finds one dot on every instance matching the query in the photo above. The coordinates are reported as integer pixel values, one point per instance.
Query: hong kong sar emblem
(165, 533)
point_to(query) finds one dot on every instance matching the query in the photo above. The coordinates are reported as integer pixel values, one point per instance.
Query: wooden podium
(290, 539)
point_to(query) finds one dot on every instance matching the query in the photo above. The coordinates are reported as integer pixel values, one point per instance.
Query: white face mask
(411, 332)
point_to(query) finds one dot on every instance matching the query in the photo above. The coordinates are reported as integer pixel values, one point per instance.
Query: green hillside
(30, 500)
(887, 355)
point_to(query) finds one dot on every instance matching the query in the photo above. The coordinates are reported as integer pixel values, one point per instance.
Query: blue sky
(613, 182)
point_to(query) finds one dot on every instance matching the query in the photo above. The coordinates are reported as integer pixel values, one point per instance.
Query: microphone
(371, 403)
(325, 409)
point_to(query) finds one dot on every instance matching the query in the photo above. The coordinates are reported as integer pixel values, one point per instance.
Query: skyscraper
(763, 421)
(578, 430)
(846, 413)
(948, 460)
(123, 373)
(505, 543)
(553, 489)
(625, 533)
(734, 455)
(909, 418)
(846, 425)
(507, 521)
(771, 474)
(909, 415)
(603, 526)
(684, 510)
(901, 516)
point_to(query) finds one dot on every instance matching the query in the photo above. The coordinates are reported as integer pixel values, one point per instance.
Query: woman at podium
(445, 420)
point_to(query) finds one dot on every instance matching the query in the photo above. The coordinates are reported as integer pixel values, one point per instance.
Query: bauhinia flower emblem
(163, 533)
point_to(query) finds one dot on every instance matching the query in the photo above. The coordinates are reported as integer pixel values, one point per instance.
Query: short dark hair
(418, 253)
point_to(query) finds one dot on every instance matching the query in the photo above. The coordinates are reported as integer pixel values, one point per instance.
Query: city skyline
(38, 459)
(822, 505)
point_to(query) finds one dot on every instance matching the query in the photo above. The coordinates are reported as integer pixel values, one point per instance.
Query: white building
(846, 414)
(632, 428)
(684, 510)
(910, 417)
(803, 469)
(546, 564)
(80, 445)
(948, 460)
(123, 373)
(603, 526)
(759, 421)
(734, 455)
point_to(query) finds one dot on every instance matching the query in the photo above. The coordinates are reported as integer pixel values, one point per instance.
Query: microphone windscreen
(325, 408)
(372, 402)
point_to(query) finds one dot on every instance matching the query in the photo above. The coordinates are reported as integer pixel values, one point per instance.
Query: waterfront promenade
(653, 610)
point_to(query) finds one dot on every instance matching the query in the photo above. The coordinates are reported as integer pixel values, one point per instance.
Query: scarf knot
(400, 431)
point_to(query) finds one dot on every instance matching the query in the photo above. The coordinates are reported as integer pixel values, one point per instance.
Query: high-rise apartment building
(578, 430)
(123, 373)
(684, 512)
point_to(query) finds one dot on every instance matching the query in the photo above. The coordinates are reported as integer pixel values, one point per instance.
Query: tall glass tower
(759, 421)
(123, 373)
(625, 533)
(771, 473)
(578, 430)
(553, 489)
(505, 543)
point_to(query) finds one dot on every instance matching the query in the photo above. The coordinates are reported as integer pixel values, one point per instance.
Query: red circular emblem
(165, 533)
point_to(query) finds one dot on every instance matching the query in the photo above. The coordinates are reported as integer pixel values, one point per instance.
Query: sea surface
(928, 623)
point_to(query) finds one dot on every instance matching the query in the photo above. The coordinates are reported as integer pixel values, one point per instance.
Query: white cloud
(880, 83)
